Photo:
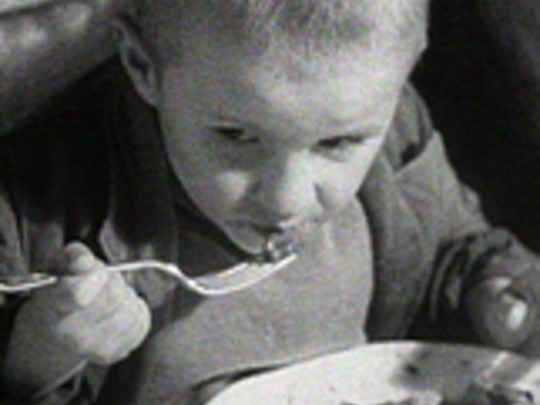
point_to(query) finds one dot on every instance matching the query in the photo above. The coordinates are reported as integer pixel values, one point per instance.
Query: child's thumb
(81, 278)
(75, 259)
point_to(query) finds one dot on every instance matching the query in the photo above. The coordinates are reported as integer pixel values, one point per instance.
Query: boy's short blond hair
(309, 25)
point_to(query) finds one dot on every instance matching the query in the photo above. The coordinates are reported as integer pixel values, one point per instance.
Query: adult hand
(504, 311)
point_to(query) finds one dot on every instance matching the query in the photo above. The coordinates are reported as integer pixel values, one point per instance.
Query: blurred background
(481, 80)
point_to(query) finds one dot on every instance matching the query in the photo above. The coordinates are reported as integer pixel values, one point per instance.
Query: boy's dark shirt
(107, 184)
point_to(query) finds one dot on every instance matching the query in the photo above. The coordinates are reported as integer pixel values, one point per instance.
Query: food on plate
(417, 398)
(479, 392)
(486, 392)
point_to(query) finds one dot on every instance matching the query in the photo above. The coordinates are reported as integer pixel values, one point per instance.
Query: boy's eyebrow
(351, 129)
(366, 131)
(354, 134)
(361, 132)
(222, 117)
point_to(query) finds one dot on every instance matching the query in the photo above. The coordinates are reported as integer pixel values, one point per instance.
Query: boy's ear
(138, 61)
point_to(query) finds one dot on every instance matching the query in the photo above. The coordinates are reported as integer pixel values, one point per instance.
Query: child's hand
(91, 311)
(503, 311)
(89, 315)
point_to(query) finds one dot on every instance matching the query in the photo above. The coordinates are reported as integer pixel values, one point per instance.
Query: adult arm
(485, 283)
(45, 45)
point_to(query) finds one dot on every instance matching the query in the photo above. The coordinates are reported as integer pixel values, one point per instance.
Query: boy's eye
(235, 134)
(340, 147)
(338, 142)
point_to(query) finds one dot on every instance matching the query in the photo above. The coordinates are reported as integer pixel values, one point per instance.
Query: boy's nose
(287, 187)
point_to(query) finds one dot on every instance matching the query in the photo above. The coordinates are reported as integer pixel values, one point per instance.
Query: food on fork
(278, 246)
(279, 252)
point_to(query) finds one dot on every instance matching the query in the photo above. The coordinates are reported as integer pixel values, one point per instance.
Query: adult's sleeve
(466, 249)
(470, 251)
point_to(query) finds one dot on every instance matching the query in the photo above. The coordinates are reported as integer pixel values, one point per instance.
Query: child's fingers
(109, 329)
(82, 277)
(127, 332)
(75, 259)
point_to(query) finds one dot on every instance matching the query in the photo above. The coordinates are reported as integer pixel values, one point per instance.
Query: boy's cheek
(234, 184)
(339, 185)
(335, 197)
(219, 196)
(230, 190)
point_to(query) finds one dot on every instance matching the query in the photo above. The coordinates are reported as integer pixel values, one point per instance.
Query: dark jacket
(107, 184)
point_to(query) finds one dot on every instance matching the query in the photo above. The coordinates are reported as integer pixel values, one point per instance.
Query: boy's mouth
(275, 242)
(280, 244)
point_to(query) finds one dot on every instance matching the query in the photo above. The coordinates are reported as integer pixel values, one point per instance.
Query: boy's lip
(293, 224)
(266, 231)
(269, 229)
(279, 242)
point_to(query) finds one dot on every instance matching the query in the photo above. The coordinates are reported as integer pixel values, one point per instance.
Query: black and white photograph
(278, 202)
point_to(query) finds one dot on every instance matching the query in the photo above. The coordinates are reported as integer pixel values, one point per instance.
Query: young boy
(247, 119)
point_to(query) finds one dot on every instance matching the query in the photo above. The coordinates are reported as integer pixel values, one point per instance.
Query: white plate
(381, 372)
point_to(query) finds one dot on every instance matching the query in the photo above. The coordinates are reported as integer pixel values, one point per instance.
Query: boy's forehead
(331, 92)
(222, 71)
(224, 49)
(183, 24)
(227, 49)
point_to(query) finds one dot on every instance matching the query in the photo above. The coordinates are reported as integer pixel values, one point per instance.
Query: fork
(230, 280)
